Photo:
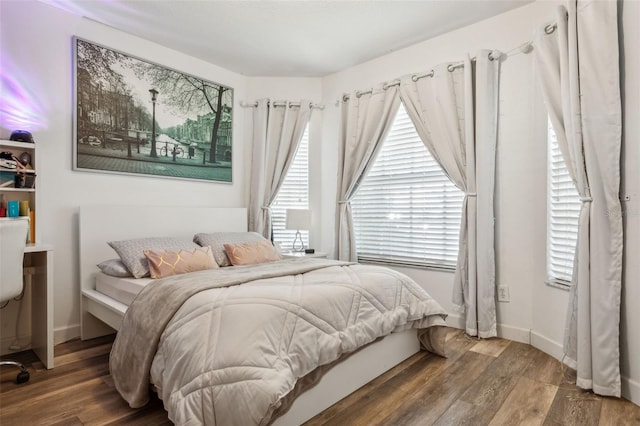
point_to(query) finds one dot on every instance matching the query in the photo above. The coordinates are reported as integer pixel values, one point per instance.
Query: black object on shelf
(309, 251)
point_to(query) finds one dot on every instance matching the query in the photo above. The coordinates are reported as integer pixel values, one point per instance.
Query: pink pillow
(251, 253)
(173, 262)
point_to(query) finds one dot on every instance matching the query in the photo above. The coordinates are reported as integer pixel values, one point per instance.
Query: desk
(38, 262)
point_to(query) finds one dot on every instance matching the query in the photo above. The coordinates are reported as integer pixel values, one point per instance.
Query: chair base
(23, 375)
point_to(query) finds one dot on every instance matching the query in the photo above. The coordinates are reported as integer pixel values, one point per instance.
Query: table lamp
(298, 219)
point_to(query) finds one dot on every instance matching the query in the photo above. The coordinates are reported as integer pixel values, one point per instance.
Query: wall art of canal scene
(137, 117)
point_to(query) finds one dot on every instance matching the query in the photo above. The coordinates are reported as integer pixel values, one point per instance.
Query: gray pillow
(131, 252)
(217, 240)
(115, 268)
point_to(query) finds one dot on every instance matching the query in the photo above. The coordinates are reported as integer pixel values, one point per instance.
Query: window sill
(562, 285)
(429, 267)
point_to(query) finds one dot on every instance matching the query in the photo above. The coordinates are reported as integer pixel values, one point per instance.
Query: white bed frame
(102, 315)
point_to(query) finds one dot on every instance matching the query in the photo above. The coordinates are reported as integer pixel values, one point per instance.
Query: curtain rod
(525, 47)
(280, 103)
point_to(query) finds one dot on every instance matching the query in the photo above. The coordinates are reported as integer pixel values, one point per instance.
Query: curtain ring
(345, 97)
(450, 68)
(359, 94)
(549, 29)
(414, 78)
(495, 55)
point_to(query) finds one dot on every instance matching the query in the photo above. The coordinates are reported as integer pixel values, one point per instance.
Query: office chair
(13, 237)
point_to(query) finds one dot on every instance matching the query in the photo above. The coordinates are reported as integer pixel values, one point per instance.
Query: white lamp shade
(298, 219)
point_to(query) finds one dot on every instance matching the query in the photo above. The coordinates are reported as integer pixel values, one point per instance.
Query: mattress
(124, 290)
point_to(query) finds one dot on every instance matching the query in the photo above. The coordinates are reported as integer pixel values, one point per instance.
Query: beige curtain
(579, 72)
(366, 118)
(277, 130)
(455, 112)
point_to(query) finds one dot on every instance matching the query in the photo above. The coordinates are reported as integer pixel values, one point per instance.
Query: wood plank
(527, 404)
(46, 409)
(547, 369)
(372, 399)
(486, 395)
(369, 401)
(79, 355)
(515, 358)
(452, 333)
(492, 347)
(77, 345)
(619, 412)
(427, 401)
(55, 380)
(69, 421)
(574, 407)
(111, 406)
(459, 413)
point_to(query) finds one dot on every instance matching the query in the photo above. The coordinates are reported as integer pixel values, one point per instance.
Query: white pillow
(131, 252)
(115, 268)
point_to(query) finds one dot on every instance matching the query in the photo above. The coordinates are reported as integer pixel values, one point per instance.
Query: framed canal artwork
(137, 117)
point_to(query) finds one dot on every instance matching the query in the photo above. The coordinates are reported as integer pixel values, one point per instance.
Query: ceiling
(303, 38)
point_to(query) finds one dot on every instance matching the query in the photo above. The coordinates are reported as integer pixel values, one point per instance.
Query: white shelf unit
(9, 192)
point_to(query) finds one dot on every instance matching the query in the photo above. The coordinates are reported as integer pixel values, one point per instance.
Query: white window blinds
(563, 211)
(293, 194)
(406, 210)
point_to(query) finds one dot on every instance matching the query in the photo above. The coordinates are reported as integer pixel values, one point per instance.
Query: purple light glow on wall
(19, 107)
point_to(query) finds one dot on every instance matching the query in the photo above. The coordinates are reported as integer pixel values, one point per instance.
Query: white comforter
(230, 354)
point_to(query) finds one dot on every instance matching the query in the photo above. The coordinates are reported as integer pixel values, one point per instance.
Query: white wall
(536, 312)
(36, 51)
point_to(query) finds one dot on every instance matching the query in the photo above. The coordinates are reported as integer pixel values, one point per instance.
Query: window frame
(279, 207)
(447, 261)
(553, 276)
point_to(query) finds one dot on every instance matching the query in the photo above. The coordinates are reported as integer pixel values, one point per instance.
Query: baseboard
(631, 390)
(64, 334)
(505, 331)
(60, 335)
(547, 345)
(517, 334)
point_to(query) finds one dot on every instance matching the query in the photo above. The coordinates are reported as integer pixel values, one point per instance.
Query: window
(293, 194)
(406, 209)
(563, 211)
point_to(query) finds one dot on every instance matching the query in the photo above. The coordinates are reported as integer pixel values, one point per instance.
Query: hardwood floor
(488, 382)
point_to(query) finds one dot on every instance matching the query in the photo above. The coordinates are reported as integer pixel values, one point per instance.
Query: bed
(103, 312)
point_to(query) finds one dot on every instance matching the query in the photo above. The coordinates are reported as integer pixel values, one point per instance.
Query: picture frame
(133, 116)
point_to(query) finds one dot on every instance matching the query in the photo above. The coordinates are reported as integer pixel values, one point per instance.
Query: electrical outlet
(503, 293)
